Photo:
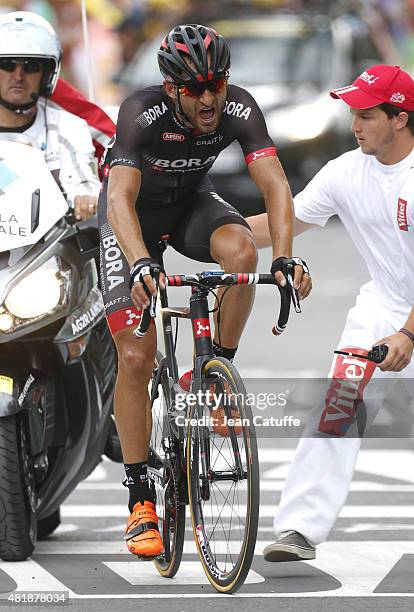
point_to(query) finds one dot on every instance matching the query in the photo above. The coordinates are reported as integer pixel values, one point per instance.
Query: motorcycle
(57, 358)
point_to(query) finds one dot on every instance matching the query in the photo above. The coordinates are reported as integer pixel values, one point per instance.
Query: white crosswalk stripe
(266, 511)
(355, 566)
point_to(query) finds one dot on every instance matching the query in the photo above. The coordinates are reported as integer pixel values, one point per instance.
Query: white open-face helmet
(24, 34)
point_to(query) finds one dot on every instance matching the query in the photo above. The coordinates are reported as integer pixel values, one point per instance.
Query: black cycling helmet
(199, 43)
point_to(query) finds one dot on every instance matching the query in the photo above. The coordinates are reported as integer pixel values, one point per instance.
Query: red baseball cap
(378, 84)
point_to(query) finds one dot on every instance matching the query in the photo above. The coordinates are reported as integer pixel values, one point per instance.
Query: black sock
(222, 351)
(136, 479)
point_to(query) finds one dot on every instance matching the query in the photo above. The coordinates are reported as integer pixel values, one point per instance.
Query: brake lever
(153, 298)
(293, 292)
(149, 312)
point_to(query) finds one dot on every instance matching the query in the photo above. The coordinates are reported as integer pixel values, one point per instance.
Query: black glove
(286, 266)
(281, 264)
(142, 267)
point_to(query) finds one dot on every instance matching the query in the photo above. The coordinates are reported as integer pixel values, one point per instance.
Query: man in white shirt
(30, 59)
(371, 189)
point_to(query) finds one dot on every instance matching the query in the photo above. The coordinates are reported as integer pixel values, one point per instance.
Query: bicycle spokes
(222, 464)
(166, 475)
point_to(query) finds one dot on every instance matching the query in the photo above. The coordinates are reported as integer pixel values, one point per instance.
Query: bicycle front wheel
(223, 476)
(165, 471)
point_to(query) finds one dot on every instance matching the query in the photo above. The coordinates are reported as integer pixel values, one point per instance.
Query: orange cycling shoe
(142, 536)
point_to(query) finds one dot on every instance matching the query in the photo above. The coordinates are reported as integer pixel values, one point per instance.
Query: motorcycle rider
(30, 61)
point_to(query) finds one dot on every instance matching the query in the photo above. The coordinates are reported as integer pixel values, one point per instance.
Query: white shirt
(375, 203)
(67, 145)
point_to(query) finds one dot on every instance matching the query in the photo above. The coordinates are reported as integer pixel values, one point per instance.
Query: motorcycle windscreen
(30, 199)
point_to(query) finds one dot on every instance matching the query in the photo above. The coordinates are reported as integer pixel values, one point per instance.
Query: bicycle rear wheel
(166, 474)
(223, 476)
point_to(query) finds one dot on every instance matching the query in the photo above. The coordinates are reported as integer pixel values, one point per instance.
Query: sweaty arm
(270, 179)
(124, 181)
(123, 189)
(265, 170)
(124, 185)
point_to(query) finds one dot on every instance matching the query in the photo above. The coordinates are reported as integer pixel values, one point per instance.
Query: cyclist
(370, 189)
(167, 139)
(30, 60)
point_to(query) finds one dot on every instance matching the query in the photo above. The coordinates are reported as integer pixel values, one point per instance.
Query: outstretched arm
(260, 229)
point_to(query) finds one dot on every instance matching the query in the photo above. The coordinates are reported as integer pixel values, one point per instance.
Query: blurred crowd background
(119, 28)
(287, 53)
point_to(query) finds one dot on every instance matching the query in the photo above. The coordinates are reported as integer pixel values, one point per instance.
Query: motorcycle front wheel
(18, 525)
(47, 526)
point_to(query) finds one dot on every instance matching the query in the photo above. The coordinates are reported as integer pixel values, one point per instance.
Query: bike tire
(18, 525)
(170, 502)
(226, 575)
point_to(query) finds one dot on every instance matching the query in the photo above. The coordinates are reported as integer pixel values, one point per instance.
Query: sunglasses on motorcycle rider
(195, 90)
(30, 66)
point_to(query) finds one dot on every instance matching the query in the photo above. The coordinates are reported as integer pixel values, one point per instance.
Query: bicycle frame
(198, 313)
(187, 444)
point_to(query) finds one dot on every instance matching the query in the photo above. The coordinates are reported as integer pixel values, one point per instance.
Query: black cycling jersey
(174, 159)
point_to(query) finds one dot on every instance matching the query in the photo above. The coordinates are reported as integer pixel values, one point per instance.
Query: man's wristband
(407, 333)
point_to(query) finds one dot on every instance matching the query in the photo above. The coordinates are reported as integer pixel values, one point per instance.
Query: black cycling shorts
(189, 223)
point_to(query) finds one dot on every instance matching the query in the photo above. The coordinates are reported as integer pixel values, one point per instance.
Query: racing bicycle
(203, 449)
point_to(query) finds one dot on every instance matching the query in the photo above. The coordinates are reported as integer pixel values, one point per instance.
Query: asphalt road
(368, 561)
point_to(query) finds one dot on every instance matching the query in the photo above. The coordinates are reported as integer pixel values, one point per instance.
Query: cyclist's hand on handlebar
(141, 281)
(280, 269)
(302, 281)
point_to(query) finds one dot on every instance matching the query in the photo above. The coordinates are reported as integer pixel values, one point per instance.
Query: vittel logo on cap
(397, 97)
(369, 78)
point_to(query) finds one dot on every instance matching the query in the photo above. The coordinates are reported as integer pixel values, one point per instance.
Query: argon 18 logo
(131, 316)
(173, 136)
(201, 328)
(402, 215)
